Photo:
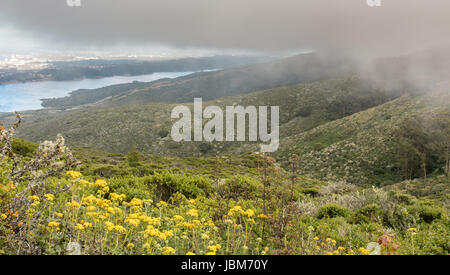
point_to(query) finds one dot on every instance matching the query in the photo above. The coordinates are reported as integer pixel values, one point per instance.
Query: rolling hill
(341, 130)
(147, 126)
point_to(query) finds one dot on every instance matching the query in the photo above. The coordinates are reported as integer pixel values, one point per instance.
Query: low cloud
(347, 26)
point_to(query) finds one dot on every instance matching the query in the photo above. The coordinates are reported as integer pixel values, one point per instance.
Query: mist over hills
(416, 72)
(212, 85)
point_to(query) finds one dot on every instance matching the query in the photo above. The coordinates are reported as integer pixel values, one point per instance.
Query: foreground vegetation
(246, 204)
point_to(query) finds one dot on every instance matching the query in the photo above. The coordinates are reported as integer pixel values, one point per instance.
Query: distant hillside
(70, 70)
(147, 126)
(413, 73)
(331, 124)
(211, 85)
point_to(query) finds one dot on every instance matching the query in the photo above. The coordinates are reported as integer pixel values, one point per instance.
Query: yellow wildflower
(120, 229)
(134, 222)
(87, 225)
(109, 226)
(250, 213)
(192, 213)
(168, 250)
(49, 197)
(262, 216)
(74, 174)
(117, 197)
(178, 218)
(136, 202)
(100, 183)
(79, 226)
(73, 204)
(53, 224)
(364, 251)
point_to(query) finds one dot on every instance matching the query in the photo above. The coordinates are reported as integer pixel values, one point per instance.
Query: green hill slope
(331, 124)
(148, 126)
(379, 145)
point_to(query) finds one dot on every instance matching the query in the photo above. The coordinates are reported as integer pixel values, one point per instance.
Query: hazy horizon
(200, 27)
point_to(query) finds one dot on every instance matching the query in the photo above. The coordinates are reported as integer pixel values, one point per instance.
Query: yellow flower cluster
(213, 249)
(364, 251)
(49, 197)
(53, 226)
(117, 197)
(192, 213)
(74, 174)
(122, 225)
(168, 250)
(36, 200)
(237, 210)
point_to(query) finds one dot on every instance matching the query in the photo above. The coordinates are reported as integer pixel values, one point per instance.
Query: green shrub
(133, 187)
(427, 213)
(163, 133)
(23, 147)
(313, 192)
(332, 210)
(372, 211)
(402, 198)
(168, 184)
(133, 157)
(107, 171)
(240, 187)
(369, 213)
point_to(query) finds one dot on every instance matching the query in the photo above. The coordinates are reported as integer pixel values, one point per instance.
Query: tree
(133, 156)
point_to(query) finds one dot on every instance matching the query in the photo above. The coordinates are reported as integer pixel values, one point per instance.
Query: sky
(272, 26)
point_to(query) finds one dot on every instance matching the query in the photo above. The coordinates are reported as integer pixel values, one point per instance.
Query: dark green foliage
(168, 184)
(133, 157)
(427, 213)
(332, 211)
(369, 213)
(313, 192)
(401, 198)
(163, 133)
(305, 111)
(23, 147)
(424, 144)
(205, 148)
(240, 187)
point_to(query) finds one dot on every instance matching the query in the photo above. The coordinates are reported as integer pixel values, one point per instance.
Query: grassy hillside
(341, 130)
(148, 126)
(369, 147)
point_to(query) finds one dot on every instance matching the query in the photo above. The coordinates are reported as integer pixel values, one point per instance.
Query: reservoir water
(27, 96)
